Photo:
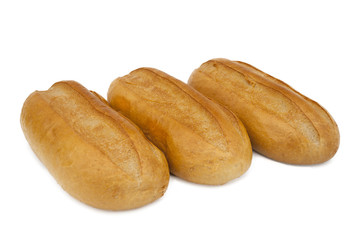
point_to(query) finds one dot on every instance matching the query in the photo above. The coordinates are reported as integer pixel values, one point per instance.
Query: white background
(311, 45)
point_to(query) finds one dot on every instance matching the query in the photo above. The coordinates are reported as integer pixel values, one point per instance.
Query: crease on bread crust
(98, 106)
(318, 137)
(202, 105)
(280, 83)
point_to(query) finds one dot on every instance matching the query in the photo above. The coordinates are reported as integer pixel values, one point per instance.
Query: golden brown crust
(102, 99)
(97, 155)
(282, 123)
(203, 142)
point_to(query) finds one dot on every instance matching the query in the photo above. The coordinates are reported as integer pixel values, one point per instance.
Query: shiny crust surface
(282, 123)
(97, 155)
(203, 142)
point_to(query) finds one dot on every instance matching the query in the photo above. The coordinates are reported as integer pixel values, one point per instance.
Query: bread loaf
(97, 155)
(203, 142)
(282, 123)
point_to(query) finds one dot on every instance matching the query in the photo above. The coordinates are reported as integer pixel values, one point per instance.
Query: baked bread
(203, 142)
(96, 154)
(282, 123)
